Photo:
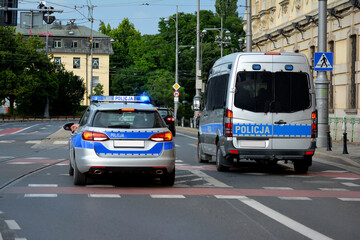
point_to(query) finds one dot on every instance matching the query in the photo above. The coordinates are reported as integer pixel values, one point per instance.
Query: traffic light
(8, 17)
(46, 14)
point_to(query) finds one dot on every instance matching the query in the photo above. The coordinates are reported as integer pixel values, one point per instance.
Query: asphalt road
(38, 200)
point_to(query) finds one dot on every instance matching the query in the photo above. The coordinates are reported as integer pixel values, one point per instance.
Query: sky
(145, 14)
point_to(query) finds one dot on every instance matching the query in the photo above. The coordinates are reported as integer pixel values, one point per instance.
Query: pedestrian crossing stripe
(323, 61)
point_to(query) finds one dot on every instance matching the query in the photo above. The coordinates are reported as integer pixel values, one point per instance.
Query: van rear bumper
(229, 151)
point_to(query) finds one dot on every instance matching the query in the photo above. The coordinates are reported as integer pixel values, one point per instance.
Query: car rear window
(128, 119)
(272, 92)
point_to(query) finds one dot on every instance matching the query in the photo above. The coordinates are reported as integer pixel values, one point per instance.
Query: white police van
(259, 106)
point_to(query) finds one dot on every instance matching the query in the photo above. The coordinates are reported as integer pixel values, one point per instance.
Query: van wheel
(301, 167)
(219, 160)
(79, 178)
(200, 154)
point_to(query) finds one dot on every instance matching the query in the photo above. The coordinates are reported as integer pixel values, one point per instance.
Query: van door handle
(280, 122)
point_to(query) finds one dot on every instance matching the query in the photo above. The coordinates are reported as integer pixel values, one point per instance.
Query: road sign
(176, 99)
(176, 86)
(323, 61)
(176, 94)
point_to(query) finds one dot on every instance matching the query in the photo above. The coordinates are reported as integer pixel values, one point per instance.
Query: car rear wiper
(123, 125)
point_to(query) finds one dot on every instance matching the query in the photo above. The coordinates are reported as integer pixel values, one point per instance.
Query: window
(272, 92)
(84, 117)
(95, 63)
(96, 45)
(95, 81)
(57, 60)
(76, 62)
(74, 44)
(353, 72)
(57, 43)
(216, 92)
(135, 119)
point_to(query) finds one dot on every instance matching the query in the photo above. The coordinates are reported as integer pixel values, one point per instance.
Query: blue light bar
(138, 99)
(256, 67)
(289, 67)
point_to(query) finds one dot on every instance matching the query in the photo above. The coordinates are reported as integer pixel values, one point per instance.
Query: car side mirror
(67, 126)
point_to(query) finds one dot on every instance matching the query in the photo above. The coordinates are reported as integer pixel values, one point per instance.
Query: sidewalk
(350, 161)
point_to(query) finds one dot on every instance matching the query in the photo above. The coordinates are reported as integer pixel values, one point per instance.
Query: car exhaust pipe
(159, 172)
(98, 172)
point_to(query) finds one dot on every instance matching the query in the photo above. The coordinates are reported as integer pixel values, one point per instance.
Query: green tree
(226, 8)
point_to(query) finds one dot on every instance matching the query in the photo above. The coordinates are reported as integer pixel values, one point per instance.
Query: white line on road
(290, 223)
(7, 141)
(33, 142)
(230, 197)
(349, 184)
(294, 198)
(12, 225)
(1, 238)
(167, 196)
(278, 188)
(333, 189)
(42, 185)
(350, 199)
(40, 195)
(335, 171)
(104, 195)
(344, 178)
(187, 136)
(61, 142)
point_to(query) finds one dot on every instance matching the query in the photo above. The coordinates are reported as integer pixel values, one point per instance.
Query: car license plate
(128, 144)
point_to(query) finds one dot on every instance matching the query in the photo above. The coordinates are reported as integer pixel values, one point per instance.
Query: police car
(119, 134)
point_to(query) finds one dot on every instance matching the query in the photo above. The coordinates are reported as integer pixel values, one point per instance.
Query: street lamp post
(176, 101)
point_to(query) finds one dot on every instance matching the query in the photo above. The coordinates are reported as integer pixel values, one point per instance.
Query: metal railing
(352, 126)
(13, 118)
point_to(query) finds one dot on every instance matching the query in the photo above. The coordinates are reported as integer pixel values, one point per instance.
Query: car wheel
(219, 160)
(79, 178)
(200, 154)
(71, 169)
(168, 179)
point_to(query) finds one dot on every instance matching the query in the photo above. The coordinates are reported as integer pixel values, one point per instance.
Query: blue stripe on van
(211, 128)
(266, 130)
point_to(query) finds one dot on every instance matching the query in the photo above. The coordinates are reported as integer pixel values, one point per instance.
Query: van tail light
(314, 124)
(228, 123)
(94, 136)
(161, 137)
(170, 119)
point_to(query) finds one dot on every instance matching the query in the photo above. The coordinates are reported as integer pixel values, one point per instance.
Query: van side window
(216, 92)
(272, 92)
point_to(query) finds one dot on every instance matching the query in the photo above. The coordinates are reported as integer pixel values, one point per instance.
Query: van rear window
(272, 92)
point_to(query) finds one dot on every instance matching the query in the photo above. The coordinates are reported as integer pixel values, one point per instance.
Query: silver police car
(119, 134)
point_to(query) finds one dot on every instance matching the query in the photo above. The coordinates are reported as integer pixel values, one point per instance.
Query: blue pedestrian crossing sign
(323, 61)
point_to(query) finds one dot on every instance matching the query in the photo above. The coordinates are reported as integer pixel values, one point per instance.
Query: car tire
(79, 178)
(71, 169)
(168, 179)
(219, 160)
(200, 154)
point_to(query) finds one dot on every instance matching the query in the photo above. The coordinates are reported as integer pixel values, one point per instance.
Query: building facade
(70, 45)
(292, 26)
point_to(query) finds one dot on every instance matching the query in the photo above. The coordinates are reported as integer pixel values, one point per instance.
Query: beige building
(291, 26)
(70, 45)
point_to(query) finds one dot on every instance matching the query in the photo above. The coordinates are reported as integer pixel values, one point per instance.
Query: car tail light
(170, 119)
(314, 124)
(228, 123)
(309, 153)
(94, 136)
(161, 137)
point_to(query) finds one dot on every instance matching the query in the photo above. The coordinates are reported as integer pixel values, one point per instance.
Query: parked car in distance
(169, 118)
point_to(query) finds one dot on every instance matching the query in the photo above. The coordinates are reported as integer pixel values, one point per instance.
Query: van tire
(201, 156)
(219, 160)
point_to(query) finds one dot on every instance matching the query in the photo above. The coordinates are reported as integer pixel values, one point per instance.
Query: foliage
(99, 89)
(226, 8)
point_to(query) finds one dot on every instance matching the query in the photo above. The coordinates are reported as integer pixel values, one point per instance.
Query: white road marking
(104, 195)
(192, 145)
(1, 212)
(230, 197)
(42, 185)
(62, 164)
(344, 178)
(61, 142)
(167, 196)
(350, 199)
(24, 129)
(214, 182)
(33, 142)
(278, 188)
(20, 163)
(20, 239)
(335, 171)
(1, 238)
(40, 195)
(1, 157)
(294, 198)
(12, 224)
(179, 161)
(333, 189)
(7, 141)
(286, 221)
(349, 184)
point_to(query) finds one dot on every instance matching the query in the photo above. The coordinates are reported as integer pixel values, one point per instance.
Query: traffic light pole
(322, 83)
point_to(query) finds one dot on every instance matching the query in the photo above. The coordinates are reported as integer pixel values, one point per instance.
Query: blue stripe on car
(156, 150)
(80, 143)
